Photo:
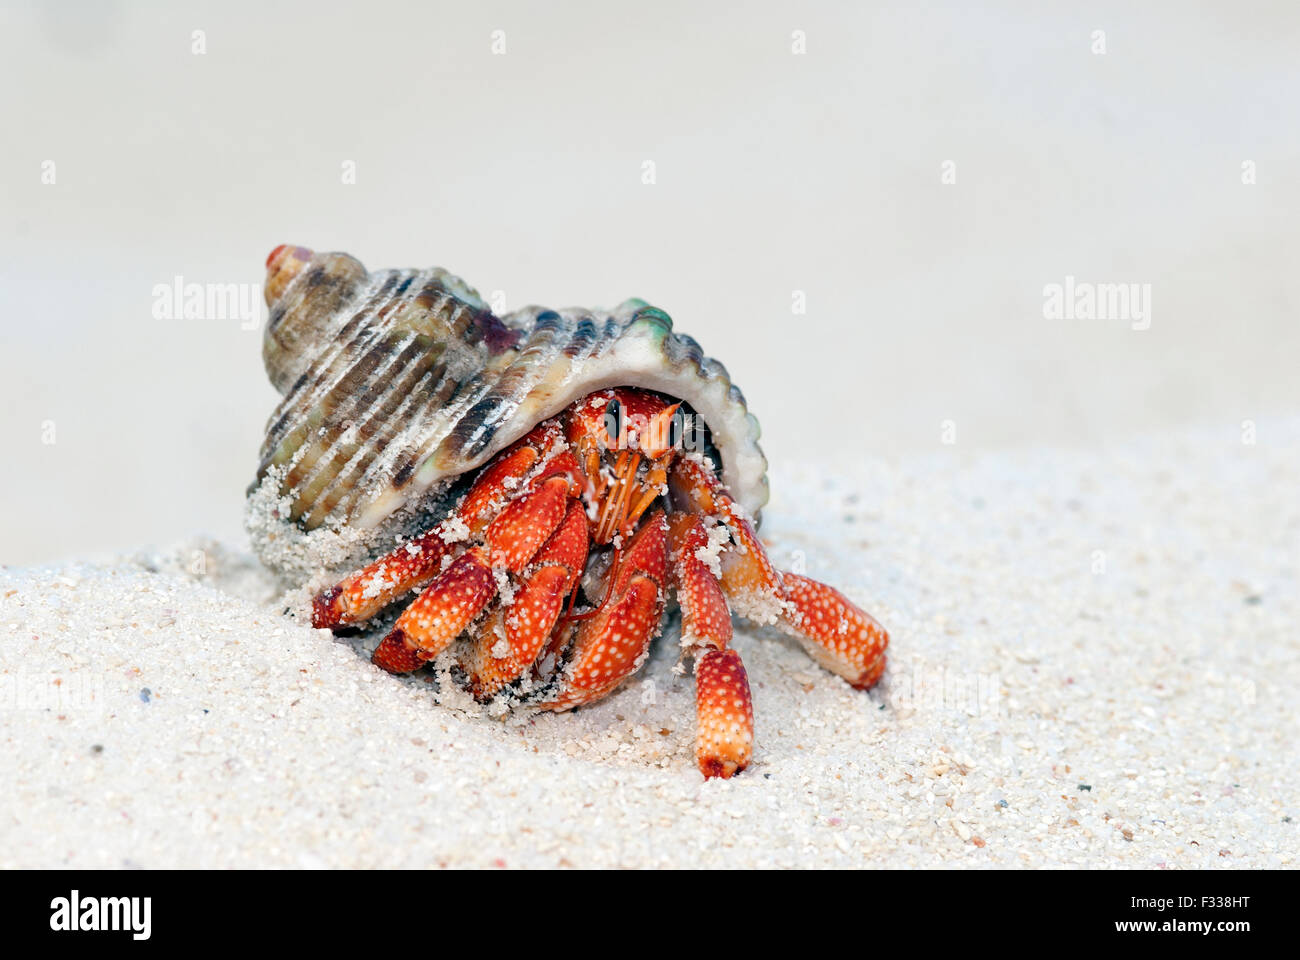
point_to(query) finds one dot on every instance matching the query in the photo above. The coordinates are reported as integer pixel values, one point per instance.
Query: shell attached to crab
(549, 478)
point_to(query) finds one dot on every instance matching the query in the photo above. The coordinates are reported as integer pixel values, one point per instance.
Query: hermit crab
(545, 480)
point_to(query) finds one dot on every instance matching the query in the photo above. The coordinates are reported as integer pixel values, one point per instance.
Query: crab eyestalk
(625, 440)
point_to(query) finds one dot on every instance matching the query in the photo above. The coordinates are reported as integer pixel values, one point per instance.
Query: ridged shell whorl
(397, 381)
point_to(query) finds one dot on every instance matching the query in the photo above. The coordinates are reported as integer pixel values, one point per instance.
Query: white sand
(1165, 682)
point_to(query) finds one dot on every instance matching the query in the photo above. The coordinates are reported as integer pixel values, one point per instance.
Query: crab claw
(460, 593)
(516, 535)
(613, 643)
(436, 618)
(516, 529)
(536, 607)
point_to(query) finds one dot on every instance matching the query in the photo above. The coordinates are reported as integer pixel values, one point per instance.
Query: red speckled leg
(514, 636)
(724, 738)
(363, 594)
(458, 595)
(749, 581)
(612, 644)
(416, 562)
(439, 614)
(833, 630)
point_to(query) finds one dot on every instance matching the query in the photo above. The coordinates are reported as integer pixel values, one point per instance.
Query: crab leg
(458, 595)
(832, 629)
(613, 643)
(414, 563)
(511, 641)
(749, 580)
(724, 737)
(363, 594)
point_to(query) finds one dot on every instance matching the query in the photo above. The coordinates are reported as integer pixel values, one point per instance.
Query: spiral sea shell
(396, 383)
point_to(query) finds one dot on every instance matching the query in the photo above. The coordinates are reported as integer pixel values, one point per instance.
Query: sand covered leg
(611, 645)
(413, 564)
(461, 592)
(833, 630)
(514, 635)
(752, 586)
(363, 594)
(724, 738)
(439, 614)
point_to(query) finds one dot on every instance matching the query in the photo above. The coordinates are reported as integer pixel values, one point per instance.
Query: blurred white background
(775, 172)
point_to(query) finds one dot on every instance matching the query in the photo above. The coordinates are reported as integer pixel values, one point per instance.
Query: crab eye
(614, 421)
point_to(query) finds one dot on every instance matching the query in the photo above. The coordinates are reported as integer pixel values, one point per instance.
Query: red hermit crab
(550, 479)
